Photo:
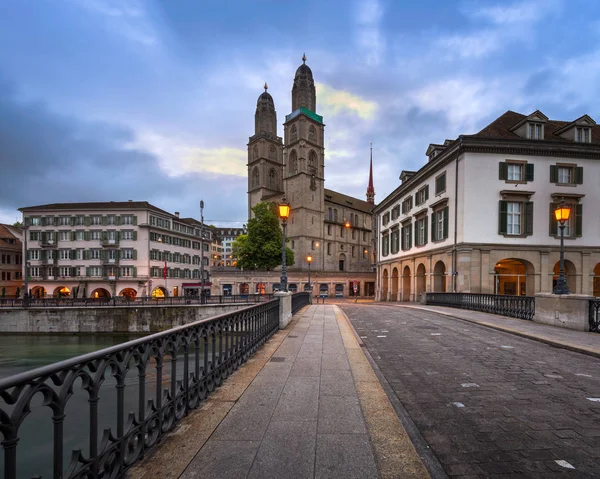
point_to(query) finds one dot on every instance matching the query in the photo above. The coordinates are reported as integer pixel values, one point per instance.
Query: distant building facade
(478, 216)
(11, 261)
(112, 249)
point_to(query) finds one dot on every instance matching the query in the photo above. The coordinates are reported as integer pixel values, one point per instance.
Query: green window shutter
(529, 172)
(433, 230)
(502, 216)
(416, 233)
(87, 270)
(446, 222)
(426, 232)
(104, 235)
(579, 175)
(134, 256)
(88, 254)
(43, 221)
(134, 272)
(86, 235)
(578, 220)
(86, 220)
(117, 220)
(402, 238)
(135, 220)
(416, 198)
(553, 222)
(529, 218)
(72, 221)
(409, 237)
(28, 254)
(426, 192)
(73, 236)
(135, 236)
(503, 173)
(553, 174)
(43, 236)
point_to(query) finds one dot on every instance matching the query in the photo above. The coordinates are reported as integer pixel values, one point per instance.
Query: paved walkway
(583, 342)
(307, 405)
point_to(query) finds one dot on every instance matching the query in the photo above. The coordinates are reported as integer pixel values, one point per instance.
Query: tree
(18, 224)
(261, 247)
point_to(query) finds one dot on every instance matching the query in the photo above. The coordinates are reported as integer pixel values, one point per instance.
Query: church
(333, 229)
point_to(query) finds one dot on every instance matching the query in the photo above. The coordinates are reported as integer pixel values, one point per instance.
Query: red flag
(165, 270)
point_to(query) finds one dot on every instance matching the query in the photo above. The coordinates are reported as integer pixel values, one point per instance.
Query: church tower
(370, 188)
(304, 166)
(265, 155)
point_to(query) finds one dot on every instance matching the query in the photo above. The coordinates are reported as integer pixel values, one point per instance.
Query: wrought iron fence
(190, 360)
(121, 301)
(594, 315)
(299, 300)
(522, 307)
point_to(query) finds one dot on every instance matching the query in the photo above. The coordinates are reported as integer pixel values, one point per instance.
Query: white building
(478, 216)
(112, 248)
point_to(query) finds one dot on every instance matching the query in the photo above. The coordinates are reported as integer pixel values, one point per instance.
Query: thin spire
(304, 58)
(266, 86)
(370, 188)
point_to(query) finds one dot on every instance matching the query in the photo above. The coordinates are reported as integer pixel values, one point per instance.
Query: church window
(272, 153)
(354, 251)
(329, 248)
(272, 179)
(255, 152)
(329, 230)
(341, 231)
(255, 178)
(294, 133)
(312, 159)
(335, 218)
(312, 134)
(293, 163)
(353, 234)
(329, 214)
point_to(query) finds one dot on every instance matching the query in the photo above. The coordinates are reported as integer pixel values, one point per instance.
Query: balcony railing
(110, 242)
(190, 360)
(48, 243)
(110, 260)
(522, 307)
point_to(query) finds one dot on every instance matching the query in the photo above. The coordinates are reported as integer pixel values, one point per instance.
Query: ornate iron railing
(120, 301)
(594, 315)
(191, 360)
(299, 300)
(522, 307)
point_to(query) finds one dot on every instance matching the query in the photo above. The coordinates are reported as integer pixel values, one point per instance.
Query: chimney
(177, 214)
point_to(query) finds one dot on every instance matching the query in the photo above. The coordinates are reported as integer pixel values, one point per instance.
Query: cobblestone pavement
(488, 403)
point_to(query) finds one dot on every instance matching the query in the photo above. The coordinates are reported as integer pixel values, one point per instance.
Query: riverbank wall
(142, 320)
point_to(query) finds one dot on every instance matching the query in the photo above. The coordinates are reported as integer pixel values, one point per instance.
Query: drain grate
(290, 336)
(277, 360)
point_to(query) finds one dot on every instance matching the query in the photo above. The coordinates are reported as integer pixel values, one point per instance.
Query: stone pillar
(545, 281)
(475, 270)
(486, 285)
(285, 308)
(586, 280)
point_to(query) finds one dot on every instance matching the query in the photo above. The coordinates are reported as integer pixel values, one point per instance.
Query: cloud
(369, 36)
(525, 12)
(333, 102)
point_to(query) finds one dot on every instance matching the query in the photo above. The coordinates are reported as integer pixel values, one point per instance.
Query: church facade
(334, 229)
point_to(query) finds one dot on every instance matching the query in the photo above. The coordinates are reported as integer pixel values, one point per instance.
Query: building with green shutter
(478, 216)
(106, 249)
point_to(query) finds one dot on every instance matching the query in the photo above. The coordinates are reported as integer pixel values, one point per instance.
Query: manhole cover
(277, 360)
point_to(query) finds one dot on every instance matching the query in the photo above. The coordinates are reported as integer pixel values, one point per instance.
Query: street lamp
(309, 260)
(284, 214)
(562, 214)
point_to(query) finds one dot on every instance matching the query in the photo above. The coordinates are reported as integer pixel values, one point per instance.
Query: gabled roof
(536, 116)
(347, 201)
(97, 205)
(582, 120)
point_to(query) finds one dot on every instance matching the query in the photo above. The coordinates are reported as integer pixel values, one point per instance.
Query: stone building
(478, 216)
(333, 228)
(11, 261)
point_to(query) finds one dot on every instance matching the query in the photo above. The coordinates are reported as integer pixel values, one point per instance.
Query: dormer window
(582, 135)
(535, 131)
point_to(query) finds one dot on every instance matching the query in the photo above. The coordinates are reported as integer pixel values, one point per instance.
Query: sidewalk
(306, 405)
(579, 341)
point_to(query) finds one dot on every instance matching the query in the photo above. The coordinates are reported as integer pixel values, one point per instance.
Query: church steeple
(265, 118)
(303, 91)
(370, 188)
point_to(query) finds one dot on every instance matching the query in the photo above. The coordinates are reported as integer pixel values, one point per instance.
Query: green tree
(261, 247)
(18, 223)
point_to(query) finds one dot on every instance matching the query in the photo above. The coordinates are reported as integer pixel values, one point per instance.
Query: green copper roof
(307, 112)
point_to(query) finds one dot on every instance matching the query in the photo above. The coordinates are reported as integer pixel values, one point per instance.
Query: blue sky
(154, 100)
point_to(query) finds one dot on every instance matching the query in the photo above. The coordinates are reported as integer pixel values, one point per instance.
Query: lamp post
(165, 270)
(309, 260)
(201, 251)
(562, 214)
(284, 214)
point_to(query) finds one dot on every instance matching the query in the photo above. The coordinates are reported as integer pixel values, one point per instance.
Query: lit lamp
(347, 224)
(284, 214)
(562, 214)
(309, 260)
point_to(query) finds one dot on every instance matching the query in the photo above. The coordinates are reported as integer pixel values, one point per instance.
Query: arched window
(312, 133)
(272, 153)
(272, 179)
(293, 163)
(329, 214)
(329, 248)
(342, 231)
(312, 159)
(255, 152)
(354, 251)
(294, 133)
(353, 234)
(255, 178)
(335, 215)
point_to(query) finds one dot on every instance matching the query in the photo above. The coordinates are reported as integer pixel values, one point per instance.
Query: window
(95, 234)
(385, 244)
(64, 221)
(421, 231)
(127, 271)
(95, 271)
(342, 231)
(65, 254)
(111, 220)
(329, 214)
(127, 220)
(79, 220)
(34, 236)
(386, 219)
(406, 237)
(535, 131)
(80, 235)
(64, 271)
(422, 195)
(34, 254)
(34, 272)
(407, 205)
(329, 248)
(35, 221)
(96, 220)
(516, 218)
(354, 251)
(335, 215)
(516, 171)
(565, 175)
(395, 212)
(439, 224)
(312, 133)
(395, 246)
(64, 235)
(127, 235)
(440, 184)
(294, 133)
(312, 244)
(582, 135)
(573, 227)
(293, 163)
(96, 254)
(272, 179)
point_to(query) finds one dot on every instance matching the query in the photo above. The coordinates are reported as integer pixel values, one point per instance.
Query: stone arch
(159, 292)
(406, 278)
(420, 276)
(272, 179)
(38, 292)
(312, 133)
(384, 285)
(61, 292)
(100, 293)
(293, 166)
(395, 281)
(514, 276)
(128, 293)
(439, 277)
(342, 262)
(570, 274)
(255, 177)
(272, 152)
(312, 160)
(596, 284)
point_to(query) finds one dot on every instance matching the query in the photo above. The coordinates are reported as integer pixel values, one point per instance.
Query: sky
(154, 100)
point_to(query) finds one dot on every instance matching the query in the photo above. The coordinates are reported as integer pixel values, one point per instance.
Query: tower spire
(370, 188)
